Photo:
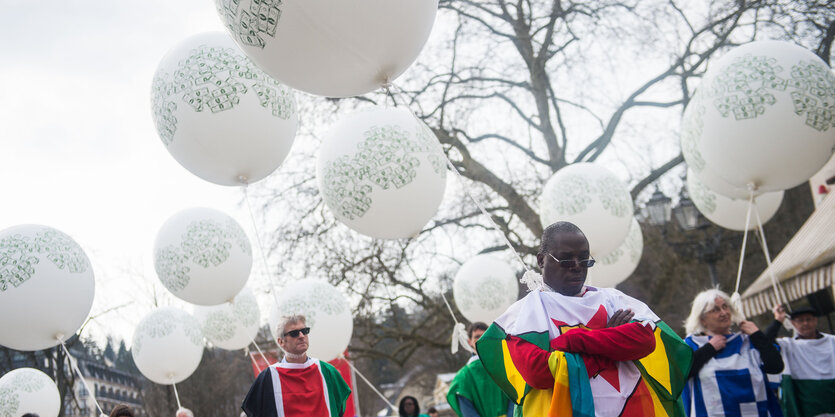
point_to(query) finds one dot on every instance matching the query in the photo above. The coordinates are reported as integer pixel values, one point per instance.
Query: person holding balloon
(571, 349)
(728, 373)
(298, 385)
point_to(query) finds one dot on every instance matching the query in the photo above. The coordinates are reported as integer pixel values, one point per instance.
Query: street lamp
(688, 218)
(658, 208)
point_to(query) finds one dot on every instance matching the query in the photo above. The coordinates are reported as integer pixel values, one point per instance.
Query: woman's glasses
(568, 263)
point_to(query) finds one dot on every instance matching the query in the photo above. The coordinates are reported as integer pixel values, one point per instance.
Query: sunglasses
(568, 263)
(295, 333)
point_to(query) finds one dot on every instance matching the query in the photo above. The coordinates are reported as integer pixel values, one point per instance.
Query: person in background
(409, 407)
(121, 411)
(432, 412)
(30, 415)
(298, 386)
(728, 373)
(472, 393)
(808, 383)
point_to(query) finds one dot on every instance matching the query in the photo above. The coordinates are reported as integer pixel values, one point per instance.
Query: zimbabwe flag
(524, 354)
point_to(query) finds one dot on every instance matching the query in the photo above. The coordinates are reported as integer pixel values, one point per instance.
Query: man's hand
(779, 313)
(620, 317)
(718, 342)
(748, 327)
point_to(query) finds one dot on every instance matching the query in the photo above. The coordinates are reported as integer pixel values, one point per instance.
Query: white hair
(284, 321)
(704, 302)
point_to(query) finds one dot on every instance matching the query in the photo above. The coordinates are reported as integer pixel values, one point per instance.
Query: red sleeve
(626, 342)
(531, 361)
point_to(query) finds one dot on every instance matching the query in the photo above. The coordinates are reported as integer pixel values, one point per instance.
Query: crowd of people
(569, 349)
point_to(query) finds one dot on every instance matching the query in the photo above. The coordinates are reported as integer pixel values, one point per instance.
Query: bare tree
(514, 91)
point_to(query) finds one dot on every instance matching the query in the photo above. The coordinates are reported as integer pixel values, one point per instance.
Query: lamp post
(688, 219)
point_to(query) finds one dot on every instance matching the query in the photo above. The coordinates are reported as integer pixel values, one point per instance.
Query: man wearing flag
(472, 393)
(808, 384)
(568, 349)
(298, 385)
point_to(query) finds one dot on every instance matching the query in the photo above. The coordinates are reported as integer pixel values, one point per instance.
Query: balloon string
(370, 385)
(779, 294)
(461, 181)
(177, 397)
(255, 228)
(744, 239)
(74, 366)
(254, 362)
(260, 353)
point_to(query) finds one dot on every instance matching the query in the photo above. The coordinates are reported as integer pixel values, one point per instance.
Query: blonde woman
(728, 373)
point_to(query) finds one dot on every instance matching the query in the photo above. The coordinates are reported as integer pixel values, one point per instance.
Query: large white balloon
(202, 256)
(220, 116)
(769, 115)
(46, 287)
(594, 199)
(330, 48)
(326, 310)
(167, 345)
(382, 172)
(484, 288)
(231, 326)
(619, 264)
(730, 213)
(28, 390)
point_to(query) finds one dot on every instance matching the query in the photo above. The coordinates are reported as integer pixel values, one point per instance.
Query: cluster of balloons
(760, 122)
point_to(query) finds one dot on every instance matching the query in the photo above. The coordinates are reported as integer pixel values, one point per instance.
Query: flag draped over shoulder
(647, 387)
(310, 389)
(809, 376)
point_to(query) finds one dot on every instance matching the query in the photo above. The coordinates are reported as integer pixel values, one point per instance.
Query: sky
(78, 148)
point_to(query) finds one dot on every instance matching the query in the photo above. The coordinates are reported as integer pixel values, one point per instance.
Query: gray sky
(78, 148)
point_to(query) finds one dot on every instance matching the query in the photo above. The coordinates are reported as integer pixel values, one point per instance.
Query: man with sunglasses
(571, 349)
(298, 385)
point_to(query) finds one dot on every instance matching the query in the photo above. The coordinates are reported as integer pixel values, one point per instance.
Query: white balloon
(330, 48)
(28, 390)
(619, 264)
(231, 326)
(46, 287)
(202, 256)
(382, 172)
(730, 213)
(220, 116)
(326, 310)
(592, 198)
(483, 288)
(768, 115)
(167, 345)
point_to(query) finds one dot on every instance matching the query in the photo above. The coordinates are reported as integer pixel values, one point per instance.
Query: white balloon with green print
(202, 256)
(616, 266)
(592, 198)
(331, 48)
(219, 115)
(232, 325)
(382, 172)
(167, 345)
(46, 287)
(28, 390)
(730, 213)
(327, 313)
(768, 110)
(484, 287)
